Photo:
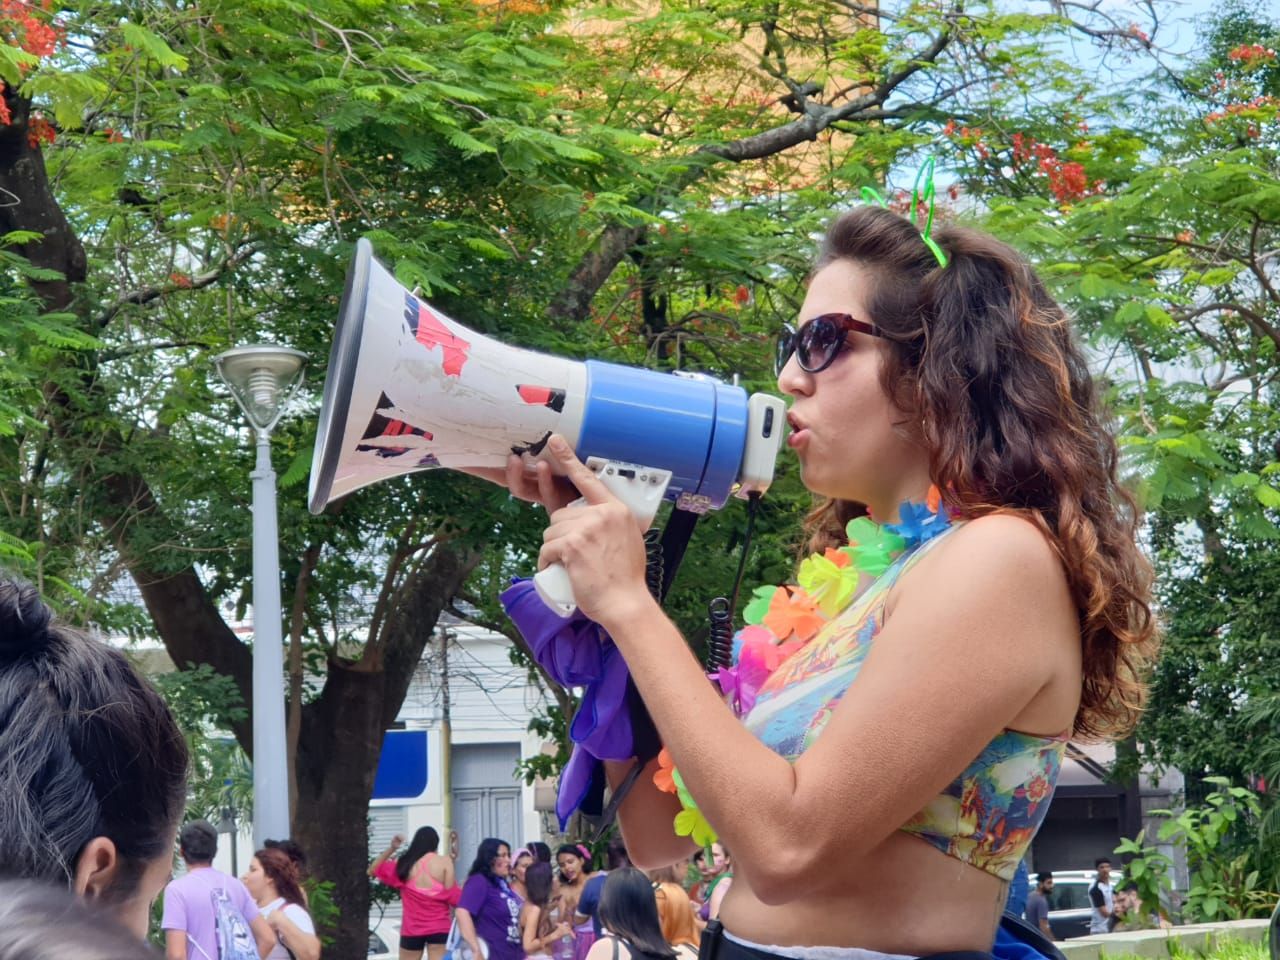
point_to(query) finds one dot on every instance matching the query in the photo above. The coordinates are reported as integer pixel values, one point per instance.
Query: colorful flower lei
(782, 619)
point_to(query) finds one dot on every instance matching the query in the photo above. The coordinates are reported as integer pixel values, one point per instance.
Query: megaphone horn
(409, 389)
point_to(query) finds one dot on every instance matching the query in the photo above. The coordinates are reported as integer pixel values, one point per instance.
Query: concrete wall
(1194, 938)
(490, 701)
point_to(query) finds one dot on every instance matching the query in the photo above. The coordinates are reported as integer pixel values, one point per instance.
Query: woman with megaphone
(883, 750)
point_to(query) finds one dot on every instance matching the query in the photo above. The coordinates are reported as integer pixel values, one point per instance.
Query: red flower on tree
(1251, 54)
(29, 26)
(39, 130)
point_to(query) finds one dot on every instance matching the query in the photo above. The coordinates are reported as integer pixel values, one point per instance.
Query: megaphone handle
(640, 488)
(555, 589)
(553, 585)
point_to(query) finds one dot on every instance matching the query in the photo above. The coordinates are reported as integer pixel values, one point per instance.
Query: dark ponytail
(87, 749)
(425, 841)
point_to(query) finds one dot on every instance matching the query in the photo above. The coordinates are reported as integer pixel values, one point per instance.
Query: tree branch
(1254, 319)
(145, 295)
(573, 303)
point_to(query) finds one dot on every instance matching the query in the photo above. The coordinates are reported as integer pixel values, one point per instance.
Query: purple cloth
(188, 906)
(582, 942)
(576, 652)
(495, 910)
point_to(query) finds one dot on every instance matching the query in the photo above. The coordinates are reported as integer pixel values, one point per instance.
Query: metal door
(486, 797)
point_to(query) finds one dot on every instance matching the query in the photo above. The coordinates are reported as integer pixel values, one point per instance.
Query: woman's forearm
(711, 753)
(379, 860)
(467, 929)
(303, 945)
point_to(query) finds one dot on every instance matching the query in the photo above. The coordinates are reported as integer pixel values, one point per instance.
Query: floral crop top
(988, 815)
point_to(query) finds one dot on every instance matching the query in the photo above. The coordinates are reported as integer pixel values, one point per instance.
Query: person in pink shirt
(428, 891)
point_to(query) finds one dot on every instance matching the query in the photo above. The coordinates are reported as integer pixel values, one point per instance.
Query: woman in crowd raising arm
(897, 721)
(427, 888)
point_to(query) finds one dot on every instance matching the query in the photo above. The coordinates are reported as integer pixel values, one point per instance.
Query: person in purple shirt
(190, 921)
(488, 911)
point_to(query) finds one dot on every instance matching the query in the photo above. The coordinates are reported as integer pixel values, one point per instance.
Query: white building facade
(465, 719)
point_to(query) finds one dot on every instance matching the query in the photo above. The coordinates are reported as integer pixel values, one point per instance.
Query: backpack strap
(193, 942)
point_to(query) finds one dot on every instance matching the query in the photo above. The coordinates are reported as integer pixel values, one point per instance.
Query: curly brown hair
(283, 873)
(986, 366)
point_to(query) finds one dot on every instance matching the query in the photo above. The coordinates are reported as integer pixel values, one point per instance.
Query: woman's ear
(97, 868)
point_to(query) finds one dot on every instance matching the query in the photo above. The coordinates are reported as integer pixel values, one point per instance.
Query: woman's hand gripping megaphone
(594, 540)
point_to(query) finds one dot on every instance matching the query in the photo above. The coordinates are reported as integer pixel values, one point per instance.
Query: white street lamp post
(262, 378)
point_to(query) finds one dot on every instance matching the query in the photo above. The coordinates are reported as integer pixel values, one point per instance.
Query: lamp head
(262, 377)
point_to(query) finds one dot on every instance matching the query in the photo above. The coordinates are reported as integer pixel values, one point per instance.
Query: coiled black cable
(720, 634)
(720, 611)
(654, 564)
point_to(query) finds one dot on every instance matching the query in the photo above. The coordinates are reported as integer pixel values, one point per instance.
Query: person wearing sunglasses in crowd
(893, 727)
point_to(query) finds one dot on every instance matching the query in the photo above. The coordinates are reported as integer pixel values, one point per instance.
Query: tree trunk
(29, 204)
(341, 740)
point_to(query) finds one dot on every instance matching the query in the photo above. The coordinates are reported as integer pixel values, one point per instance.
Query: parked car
(384, 938)
(1069, 907)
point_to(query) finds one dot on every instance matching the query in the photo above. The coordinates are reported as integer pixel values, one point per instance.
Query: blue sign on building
(402, 769)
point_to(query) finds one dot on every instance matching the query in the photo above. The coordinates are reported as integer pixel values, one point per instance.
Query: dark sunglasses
(818, 343)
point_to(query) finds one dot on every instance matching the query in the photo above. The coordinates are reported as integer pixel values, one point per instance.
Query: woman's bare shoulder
(1001, 551)
(996, 589)
(440, 867)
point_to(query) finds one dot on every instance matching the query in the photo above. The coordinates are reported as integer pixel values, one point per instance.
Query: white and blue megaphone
(409, 389)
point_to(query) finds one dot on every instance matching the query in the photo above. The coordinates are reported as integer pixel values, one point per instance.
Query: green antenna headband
(872, 195)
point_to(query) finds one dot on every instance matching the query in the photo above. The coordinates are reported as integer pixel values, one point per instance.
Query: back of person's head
(539, 879)
(541, 852)
(93, 768)
(615, 853)
(293, 850)
(992, 382)
(629, 910)
(675, 913)
(41, 922)
(283, 874)
(667, 874)
(198, 841)
(425, 841)
(486, 853)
